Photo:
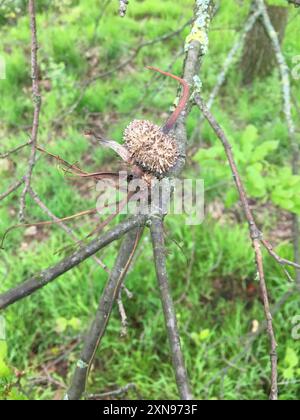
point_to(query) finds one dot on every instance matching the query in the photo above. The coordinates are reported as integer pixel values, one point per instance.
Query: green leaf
(15, 395)
(263, 150)
(201, 336)
(248, 140)
(61, 325)
(231, 197)
(202, 155)
(284, 199)
(75, 323)
(256, 183)
(4, 369)
(278, 3)
(204, 335)
(291, 359)
(288, 374)
(3, 349)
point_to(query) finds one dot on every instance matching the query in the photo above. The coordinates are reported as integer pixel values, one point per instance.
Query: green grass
(219, 310)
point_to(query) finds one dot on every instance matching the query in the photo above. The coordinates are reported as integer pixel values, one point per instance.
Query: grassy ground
(222, 303)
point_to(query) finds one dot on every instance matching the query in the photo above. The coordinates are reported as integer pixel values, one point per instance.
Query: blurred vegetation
(80, 40)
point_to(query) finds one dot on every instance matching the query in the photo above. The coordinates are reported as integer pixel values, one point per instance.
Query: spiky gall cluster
(149, 147)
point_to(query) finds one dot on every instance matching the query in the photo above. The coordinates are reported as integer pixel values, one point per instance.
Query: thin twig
(255, 235)
(46, 223)
(115, 393)
(15, 150)
(277, 258)
(123, 315)
(37, 107)
(269, 319)
(15, 186)
(63, 226)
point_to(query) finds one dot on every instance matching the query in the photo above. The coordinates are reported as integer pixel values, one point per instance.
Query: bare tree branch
(37, 106)
(15, 150)
(40, 280)
(99, 325)
(15, 186)
(196, 48)
(168, 308)
(269, 319)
